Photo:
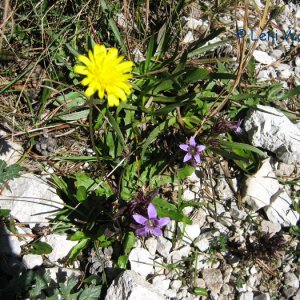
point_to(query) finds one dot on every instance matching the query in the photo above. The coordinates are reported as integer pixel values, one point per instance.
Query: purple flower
(193, 150)
(151, 225)
(237, 127)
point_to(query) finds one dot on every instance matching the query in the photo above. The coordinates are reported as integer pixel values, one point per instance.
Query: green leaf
(77, 249)
(116, 128)
(295, 230)
(72, 50)
(90, 293)
(70, 100)
(81, 194)
(149, 53)
(186, 171)
(129, 242)
(194, 75)
(166, 209)
(77, 236)
(41, 248)
(4, 212)
(155, 132)
(241, 146)
(8, 173)
(75, 116)
(293, 92)
(122, 261)
(200, 292)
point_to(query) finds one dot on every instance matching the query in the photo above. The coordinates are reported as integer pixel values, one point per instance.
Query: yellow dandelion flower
(106, 74)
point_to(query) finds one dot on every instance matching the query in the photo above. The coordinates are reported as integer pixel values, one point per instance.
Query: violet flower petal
(163, 221)
(200, 148)
(142, 231)
(187, 157)
(184, 147)
(197, 157)
(152, 213)
(156, 231)
(192, 142)
(140, 219)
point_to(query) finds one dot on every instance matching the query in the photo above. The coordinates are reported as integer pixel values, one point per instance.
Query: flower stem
(91, 128)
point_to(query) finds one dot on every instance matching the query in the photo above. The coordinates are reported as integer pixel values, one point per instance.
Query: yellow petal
(81, 70)
(119, 93)
(86, 81)
(101, 93)
(90, 91)
(99, 50)
(125, 66)
(84, 59)
(112, 53)
(112, 100)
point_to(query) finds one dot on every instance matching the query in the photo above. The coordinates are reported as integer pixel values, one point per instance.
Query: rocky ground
(240, 245)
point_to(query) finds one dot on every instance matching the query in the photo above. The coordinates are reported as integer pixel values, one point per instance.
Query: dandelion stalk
(91, 127)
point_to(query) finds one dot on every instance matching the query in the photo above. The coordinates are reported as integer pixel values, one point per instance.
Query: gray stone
(177, 255)
(213, 279)
(263, 190)
(290, 279)
(60, 245)
(270, 227)
(141, 261)
(190, 232)
(284, 169)
(270, 129)
(202, 243)
(161, 283)
(10, 244)
(264, 296)
(151, 245)
(289, 291)
(245, 296)
(10, 152)
(31, 199)
(130, 286)
(163, 246)
(31, 261)
(297, 296)
(263, 57)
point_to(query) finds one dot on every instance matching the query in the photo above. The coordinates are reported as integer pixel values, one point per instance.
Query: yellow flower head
(106, 73)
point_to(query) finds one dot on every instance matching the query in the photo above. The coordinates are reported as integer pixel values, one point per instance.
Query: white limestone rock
(263, 57)
(272, 130)
(260, 187)
(163, 246)
(279, 211)
(131, 286)
(177, 255)
(190, 232)
(189, 38)
(270, 227)
(151, 245)
(161, 283)
(31, 199)
(60, 246)
(262, 190)
(290, 279)
(213, 280)
(10, 244)
(202, 242)
(10, 152)
(264, 296)
(245, 296)
(31, 261)
(141, 261)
